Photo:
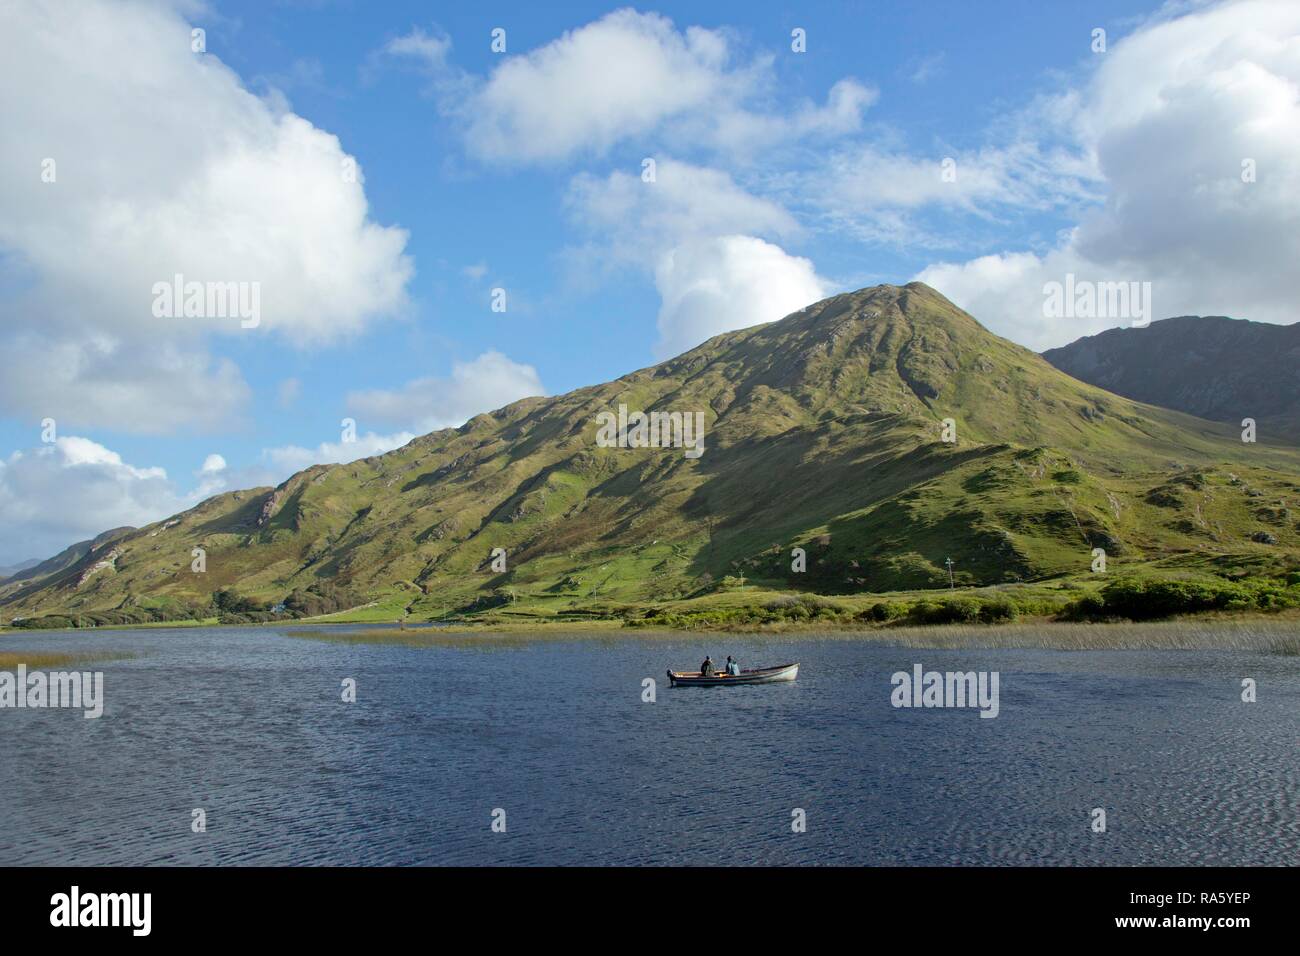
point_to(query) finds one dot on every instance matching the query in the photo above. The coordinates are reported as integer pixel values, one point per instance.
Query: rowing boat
(760, 675)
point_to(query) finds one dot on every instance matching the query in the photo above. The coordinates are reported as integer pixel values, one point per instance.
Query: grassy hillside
(823, 431)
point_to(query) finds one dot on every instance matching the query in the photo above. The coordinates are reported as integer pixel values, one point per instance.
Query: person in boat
(706, 669)
(733, 667)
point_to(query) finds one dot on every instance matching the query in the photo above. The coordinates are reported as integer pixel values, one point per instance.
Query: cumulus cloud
(484, 384)
(700, 234)
(74, 489)
(1173, 116)
(619, 76)
(187, 173)
(634, 220)
(625, 76)
(144, 386)
(716, 285)
(213, 476)
(633, 78)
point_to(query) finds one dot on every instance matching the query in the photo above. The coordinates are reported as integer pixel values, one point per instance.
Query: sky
(444, 208)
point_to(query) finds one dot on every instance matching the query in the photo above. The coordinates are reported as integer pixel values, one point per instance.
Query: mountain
(1209, 366)
(822, 431)
(10, 570)
(71, 556)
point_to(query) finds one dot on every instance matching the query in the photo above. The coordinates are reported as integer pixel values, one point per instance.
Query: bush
(963, 610)
(882, 612)
(323, 597)
(1145, 600)
(997, 611)
(1088, 606)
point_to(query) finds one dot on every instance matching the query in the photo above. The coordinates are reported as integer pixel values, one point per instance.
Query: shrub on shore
(121, 616)
(1140, 600)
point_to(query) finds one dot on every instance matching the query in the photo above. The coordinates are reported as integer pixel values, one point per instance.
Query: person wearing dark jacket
(706, 669)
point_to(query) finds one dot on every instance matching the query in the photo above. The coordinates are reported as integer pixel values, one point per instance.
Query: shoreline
(1258, 633)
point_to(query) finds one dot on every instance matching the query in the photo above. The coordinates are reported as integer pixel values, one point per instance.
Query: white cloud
(290, 459)
(729, 282)
(630, 78)
(626, 76)
(1169, 116)
(72, 490)
(634, 221)
(164, 164)
(427, 404)
(149, 387)
(701, 235)
(1005, 292)
(213, 476)
(741, 133)
(616, 77)
(430, 50)
(868, 178)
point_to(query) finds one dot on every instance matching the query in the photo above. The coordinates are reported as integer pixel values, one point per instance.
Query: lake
(249, 725)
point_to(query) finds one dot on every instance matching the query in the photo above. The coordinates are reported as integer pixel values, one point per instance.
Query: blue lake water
(249, 725)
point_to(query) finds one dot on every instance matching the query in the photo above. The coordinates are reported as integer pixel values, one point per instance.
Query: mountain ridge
(1214, 367)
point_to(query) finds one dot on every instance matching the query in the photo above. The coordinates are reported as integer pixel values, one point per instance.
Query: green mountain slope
(823, 431)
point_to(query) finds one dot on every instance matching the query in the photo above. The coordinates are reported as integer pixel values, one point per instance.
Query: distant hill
(824, 431)
(10, 570)
(1209, 366)
(33, 572)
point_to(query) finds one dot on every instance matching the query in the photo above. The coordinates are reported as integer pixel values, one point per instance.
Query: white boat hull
(761, 675)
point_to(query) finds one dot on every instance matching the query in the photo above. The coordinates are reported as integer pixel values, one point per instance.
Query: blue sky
(781, 176)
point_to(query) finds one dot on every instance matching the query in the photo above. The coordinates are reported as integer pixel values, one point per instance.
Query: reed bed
(1266, 637)
(42, 659)
(1248, 635)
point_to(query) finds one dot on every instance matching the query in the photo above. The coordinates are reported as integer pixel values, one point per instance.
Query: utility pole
(951, 584)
